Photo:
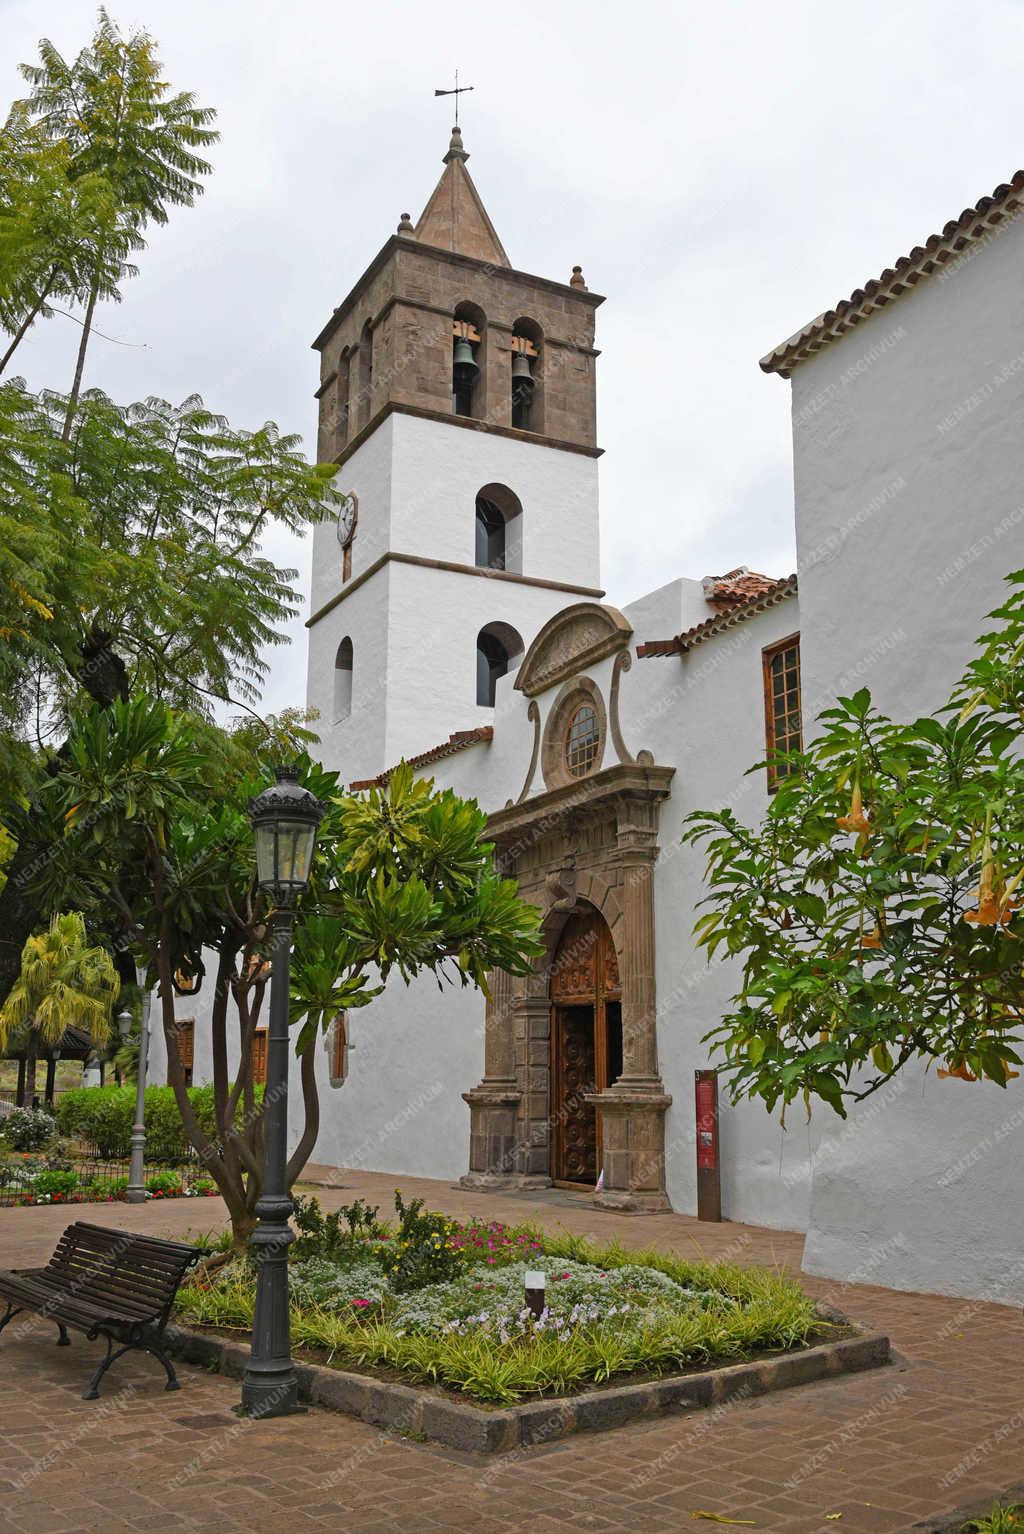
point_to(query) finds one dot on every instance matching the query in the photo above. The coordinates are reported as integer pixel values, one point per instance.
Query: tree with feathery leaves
(114, 118)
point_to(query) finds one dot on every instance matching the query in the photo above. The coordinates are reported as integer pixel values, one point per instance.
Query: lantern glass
(284, 854)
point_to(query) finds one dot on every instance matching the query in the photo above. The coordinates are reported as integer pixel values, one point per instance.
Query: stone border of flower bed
(415, 1409)
(953, 1523)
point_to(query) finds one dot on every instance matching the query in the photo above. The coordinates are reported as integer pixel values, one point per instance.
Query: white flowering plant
(576, 1295)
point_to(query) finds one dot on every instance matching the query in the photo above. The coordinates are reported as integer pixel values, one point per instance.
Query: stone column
(638, 851)
(633, 1110)
(494, 1103)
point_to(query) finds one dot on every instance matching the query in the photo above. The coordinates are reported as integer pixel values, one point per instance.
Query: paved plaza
(940, 1428)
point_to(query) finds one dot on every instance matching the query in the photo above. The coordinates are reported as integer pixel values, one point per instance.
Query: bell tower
(457, 398)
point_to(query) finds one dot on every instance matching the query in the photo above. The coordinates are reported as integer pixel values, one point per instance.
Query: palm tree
(63, 982)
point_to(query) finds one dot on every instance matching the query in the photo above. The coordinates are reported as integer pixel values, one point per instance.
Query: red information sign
(707, 1127)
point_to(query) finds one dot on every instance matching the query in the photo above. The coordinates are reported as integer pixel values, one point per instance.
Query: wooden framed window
(339, 1052)
(185, 1038)
(582, 740)
(259, 1057)
(782, 724)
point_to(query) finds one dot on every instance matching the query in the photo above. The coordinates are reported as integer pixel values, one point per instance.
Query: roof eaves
(460, 741)
(782, 589)
(973, 225)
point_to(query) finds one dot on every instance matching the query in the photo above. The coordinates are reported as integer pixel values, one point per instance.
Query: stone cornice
(627, 780)
(453, 568)
(413, 246)
(461, 423)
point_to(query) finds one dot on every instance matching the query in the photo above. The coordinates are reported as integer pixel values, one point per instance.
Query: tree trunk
(27, 322)
(83, 345)
(242, 1227)
(311, 1110)
(231, 1188)
(30, 1068)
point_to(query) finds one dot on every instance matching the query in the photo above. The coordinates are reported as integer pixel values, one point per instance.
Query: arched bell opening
(469, 361)
(527, 376)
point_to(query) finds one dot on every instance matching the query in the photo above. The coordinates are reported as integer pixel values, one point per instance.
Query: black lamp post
(284, 818)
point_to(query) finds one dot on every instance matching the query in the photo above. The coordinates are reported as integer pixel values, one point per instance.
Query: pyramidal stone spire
(455, 218)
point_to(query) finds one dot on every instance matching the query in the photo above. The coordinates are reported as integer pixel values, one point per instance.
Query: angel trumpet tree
(873, 910)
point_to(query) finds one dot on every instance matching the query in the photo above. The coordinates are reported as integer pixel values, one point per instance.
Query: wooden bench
(106, 1283)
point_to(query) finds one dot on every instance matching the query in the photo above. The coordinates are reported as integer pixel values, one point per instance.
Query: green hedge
(103, 1116)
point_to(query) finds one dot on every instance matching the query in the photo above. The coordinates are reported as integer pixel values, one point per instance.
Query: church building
(458, 622)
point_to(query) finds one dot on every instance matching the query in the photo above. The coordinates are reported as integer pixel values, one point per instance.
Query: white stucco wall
(908, 446)
(704, 715)
(414, 627)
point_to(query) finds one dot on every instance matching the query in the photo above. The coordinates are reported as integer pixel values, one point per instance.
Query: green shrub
(104, 1116)
(164, 1184)
(27, 1129)
(423, 1251)
(55, 1182)
(323, 1235)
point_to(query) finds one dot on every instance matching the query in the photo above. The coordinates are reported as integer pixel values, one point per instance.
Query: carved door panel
(586, 1043)
(575, 1120)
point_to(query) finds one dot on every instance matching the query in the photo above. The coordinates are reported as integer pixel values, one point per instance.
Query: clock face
(348, 507)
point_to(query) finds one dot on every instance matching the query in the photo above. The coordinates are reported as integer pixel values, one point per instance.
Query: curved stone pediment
(572, 640)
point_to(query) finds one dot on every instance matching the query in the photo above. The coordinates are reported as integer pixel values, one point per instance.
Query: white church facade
(458, 621)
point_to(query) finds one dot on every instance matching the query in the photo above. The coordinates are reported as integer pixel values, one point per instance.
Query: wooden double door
(586, 1044)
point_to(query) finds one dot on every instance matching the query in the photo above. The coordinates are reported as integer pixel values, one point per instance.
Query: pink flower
(362, 1304)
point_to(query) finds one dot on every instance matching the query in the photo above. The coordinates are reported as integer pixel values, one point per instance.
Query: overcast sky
(721, 172)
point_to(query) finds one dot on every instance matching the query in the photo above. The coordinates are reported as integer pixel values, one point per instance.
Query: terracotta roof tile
(457, 742)
(938, 250)
(729, 613)
(736, 586)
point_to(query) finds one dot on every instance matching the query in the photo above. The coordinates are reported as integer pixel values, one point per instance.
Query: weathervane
(457, 92)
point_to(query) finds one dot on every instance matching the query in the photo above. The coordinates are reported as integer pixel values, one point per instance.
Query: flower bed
(442, 1302)
(27, 1181)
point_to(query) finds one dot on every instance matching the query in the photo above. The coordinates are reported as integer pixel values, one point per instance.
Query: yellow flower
(855, 818)
(994, 908)
(958, 1069)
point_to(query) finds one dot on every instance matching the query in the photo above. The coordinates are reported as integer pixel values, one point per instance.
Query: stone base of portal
(632, 1121)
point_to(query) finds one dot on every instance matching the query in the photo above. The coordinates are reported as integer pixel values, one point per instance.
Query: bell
(522, 378)
(465, 365)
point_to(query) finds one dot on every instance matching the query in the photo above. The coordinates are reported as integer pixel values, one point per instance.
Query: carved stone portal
(570, 642)
(585, 856)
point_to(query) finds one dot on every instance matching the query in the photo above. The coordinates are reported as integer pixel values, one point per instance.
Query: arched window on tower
(527, 376)
(341, 400)
(364, 379)
(468, 360)
(497, 646)
(499, 529)
(343, 681)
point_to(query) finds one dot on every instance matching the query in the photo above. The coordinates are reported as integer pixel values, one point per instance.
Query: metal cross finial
(457, 92)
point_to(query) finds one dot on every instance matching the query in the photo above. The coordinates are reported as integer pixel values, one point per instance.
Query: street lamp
(284, 819)
(135, 1193)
